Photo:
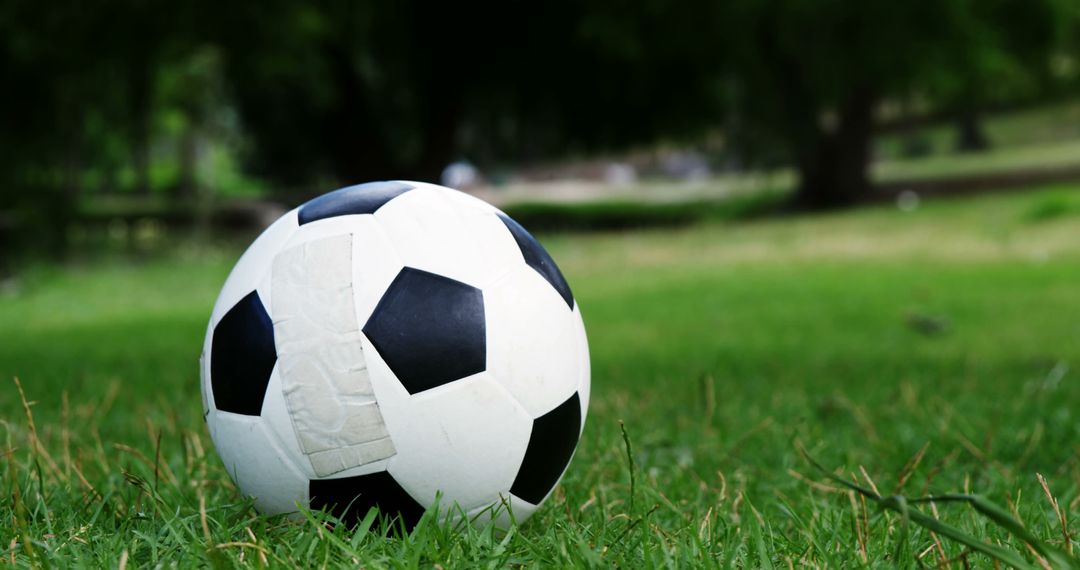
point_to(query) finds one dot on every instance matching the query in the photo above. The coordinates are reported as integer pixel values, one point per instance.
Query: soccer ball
(392, 345)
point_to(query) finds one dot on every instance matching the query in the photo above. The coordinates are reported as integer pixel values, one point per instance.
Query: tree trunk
(970, 136)
(65, 208)
(139, 90)
(358, 151)
(834, 162)
(189, 163)
(440, 138)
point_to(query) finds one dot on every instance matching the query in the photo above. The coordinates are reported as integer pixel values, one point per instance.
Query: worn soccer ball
(396, 345)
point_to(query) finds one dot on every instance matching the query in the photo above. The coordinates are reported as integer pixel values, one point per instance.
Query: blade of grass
(763, 559)
(630, 460)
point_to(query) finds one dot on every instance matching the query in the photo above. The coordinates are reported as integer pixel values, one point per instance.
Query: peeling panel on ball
(323, 371)
(537, 258)
(242, 355)
(350, 498)
(359, 199)
(276, 418)
(551, 445)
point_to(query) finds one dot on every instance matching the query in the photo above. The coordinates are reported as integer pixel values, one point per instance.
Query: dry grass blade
(1063, 518)
(35, 442)
(202, 517)
(942, 557)
(909, 468)
(814, 484)
(860, 537)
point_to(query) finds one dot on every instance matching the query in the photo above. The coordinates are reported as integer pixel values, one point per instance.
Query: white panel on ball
(376, 262)
(532, 345)
(491, 240)
(257, 464)
(466, 442)
(429, 234)
(465, 439)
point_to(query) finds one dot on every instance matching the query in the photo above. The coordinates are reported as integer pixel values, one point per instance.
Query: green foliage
(1052, 206)
(716, 345)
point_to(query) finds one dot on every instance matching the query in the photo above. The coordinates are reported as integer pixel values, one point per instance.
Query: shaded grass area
(627, 214)
(917, 352)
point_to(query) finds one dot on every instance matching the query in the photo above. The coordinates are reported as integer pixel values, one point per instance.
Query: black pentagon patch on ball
(242, 356)
(350, 498)
(429, 329)
(537, 258)
(551, 445)
(359, 199)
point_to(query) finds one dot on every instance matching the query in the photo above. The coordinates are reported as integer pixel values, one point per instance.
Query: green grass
(933, 351)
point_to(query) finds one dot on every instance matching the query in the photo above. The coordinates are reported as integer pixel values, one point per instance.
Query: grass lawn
(932, 351)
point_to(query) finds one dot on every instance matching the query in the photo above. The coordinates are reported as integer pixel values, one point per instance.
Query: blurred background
(128, 125)
(853, 224)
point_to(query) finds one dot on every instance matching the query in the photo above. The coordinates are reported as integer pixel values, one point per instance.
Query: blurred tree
(80, 88)
(1003, 57)
(193, 103)
(338, 91)
(353, 91)
(814, 73)
(347, 90)
(54, 86)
